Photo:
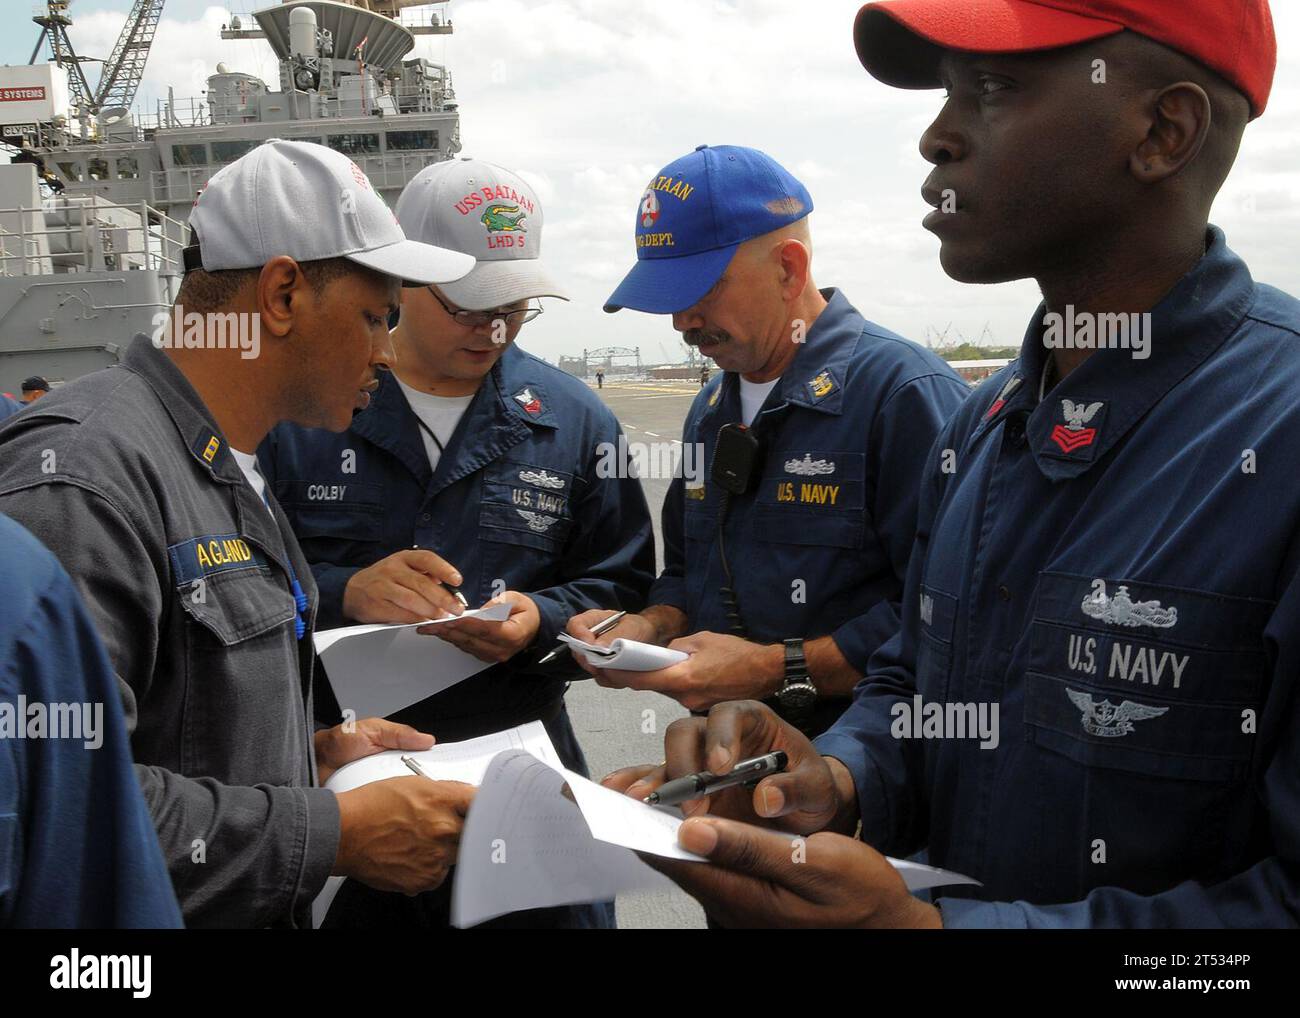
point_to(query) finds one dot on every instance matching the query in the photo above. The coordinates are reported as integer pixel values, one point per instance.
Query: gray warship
(93, 210)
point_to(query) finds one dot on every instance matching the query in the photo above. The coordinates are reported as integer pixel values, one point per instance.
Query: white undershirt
(440, 414)
(248, 464)
(752, 397)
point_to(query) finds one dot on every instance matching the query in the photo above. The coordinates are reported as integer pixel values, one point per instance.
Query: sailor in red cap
(1090, 706)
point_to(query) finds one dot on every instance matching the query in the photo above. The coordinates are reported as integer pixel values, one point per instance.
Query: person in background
(34, 388)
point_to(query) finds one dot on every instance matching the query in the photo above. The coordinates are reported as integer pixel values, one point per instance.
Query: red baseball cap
(897, 39)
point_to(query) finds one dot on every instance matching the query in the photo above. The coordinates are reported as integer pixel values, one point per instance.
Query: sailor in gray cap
(482, 459)
(141, 477)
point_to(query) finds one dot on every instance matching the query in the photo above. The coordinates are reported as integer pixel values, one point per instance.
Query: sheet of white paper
(629, 823)
(377, 670)
(625, 655)
(452, 761)
(918, 877)
(464, 761)
(525, 845)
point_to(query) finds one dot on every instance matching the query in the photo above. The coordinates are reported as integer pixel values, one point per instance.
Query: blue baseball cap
(694, 214)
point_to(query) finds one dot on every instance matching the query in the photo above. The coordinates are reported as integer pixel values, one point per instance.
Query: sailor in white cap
(141, 478)
(481, 459)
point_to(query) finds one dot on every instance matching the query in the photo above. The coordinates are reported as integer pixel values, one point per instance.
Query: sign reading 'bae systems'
(23, 94)
(33, 94)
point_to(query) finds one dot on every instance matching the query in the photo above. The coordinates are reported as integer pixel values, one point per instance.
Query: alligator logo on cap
(498, 219)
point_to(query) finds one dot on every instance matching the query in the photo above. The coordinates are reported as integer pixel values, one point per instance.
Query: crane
(125, 68)
(122, 72)
(54, 22)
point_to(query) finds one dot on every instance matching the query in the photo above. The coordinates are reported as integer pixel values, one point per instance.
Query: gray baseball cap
(304, 200)
(486, 211)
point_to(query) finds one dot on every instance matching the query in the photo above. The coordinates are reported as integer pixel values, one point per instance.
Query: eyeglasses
(512, 317)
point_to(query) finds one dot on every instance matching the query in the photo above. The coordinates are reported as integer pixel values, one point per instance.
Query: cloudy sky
(589, 98)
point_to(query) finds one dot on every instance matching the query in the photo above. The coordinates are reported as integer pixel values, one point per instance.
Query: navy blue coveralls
(515, 503)
(819, 543)
(77, 844)
(1116, 567)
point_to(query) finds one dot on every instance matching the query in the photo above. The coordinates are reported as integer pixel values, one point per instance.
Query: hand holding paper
(376, 670)
(492, 640)
(764, 878)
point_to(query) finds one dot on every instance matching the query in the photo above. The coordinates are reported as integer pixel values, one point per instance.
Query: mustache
(694, 337)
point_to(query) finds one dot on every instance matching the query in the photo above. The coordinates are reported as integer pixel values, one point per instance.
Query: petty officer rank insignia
(531, 404)
(822, 385)
(1076, 426)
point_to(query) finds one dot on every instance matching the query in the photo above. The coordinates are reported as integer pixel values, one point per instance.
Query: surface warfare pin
(1070, 434)
(531, 404)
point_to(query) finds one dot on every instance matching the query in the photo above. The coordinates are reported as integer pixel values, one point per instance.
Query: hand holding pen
(600, 628)
(702, 783)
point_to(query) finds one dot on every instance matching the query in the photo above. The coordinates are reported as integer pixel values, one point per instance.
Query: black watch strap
(796, 665)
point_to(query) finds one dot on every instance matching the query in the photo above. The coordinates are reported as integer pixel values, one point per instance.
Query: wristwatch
(797, 695)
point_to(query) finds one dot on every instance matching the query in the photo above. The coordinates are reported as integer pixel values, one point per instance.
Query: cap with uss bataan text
(694, 214)
(306, 201)
(486, 211)
(900, 41)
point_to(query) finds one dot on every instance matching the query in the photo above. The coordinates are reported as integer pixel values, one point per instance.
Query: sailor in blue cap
(783, 587)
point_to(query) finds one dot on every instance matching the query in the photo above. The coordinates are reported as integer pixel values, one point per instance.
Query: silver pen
(414, 765)
(603, 626)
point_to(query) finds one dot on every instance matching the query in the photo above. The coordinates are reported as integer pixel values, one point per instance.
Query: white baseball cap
(304, 200)
(486, 211)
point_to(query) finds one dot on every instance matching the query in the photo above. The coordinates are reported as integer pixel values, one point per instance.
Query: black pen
(696, 786)
(603, 626)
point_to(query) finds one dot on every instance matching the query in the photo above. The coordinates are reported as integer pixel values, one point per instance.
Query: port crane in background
(120, 77)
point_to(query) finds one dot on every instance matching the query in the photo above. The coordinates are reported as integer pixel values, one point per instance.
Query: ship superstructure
(81, 269)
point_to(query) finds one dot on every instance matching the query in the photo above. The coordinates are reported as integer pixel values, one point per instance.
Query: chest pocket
(1149, 679)
(527, 505)
(811, 498)
(934, 643)
(338, 510)
(241, 667)
(237, 606)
